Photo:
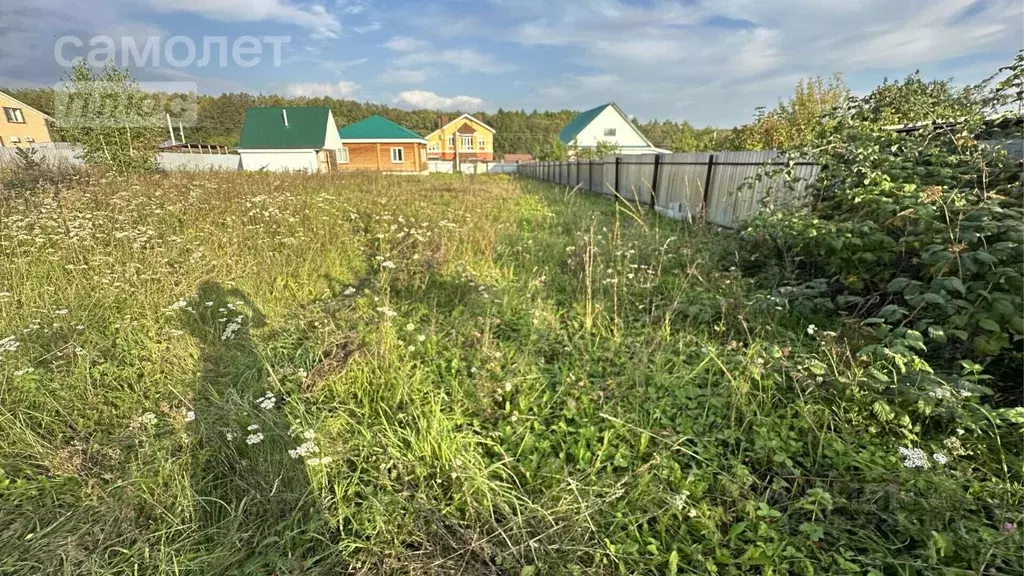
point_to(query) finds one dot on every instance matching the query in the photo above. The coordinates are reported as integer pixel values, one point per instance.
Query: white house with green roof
(290, 139)
(607, 123)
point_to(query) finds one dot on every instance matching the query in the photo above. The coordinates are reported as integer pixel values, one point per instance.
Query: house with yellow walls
(22, 125)
(465, 137)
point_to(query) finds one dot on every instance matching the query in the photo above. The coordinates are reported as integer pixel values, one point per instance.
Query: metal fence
(448, 167)
(173, 161)
(722, 188)
(57, 154)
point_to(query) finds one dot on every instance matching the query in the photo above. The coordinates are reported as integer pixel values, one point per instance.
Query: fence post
(654, 181)
(618, 160)
(707, 187)
(577, 170)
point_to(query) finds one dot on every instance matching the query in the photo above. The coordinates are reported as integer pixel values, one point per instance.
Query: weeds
(269, 374)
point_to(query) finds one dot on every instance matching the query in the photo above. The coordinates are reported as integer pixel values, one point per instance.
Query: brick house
(376, 143)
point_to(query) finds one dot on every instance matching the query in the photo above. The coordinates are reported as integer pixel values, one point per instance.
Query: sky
(710, 62)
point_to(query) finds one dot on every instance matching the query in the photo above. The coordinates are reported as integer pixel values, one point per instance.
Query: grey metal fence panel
(58, 154)
(636, 173)
(198, 162)
(681, 183)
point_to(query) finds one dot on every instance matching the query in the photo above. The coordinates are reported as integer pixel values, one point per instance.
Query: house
(465, 137)
(22, 125)
(376, 143)
(293, 138)
(1000, 131)
(607, 124)
(516, 158)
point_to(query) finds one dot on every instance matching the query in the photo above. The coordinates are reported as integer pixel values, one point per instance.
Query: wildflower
(914, 458)
(387, 264)
(61, 312)
(147, 419)
(267, 401)
(190, 416)
(410, 327)
(1008, 528)
(387, 311)
(254, 438)
(230, 329)
(954, 446)
(176, 306)
(253, 427)
(421, 338)
(811, 329)
(9, 344)
(304, 449)
(309, 434)
(349, 291)
(940, 458)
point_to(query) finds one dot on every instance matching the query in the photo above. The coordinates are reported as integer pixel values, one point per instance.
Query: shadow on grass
(254, 508)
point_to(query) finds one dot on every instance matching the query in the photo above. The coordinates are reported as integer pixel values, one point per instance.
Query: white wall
(179, 161)
(333, 139)
(279, 160)
(625, 133)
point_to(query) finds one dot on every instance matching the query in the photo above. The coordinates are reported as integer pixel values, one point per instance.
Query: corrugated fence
(61, 153)
(722, 188)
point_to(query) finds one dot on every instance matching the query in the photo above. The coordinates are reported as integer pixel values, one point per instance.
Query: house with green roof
(607, 124)
(378, 144)
(290, 138)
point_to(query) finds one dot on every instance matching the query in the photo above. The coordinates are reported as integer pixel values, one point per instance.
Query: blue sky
(706, 61)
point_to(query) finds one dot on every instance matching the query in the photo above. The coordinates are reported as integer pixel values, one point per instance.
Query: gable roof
(378, 128)
(583, 119)
(27, 106)
(464, 116)
(264, 128)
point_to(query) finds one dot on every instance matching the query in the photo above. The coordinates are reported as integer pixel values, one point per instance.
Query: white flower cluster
(387, 312)
(254, 438)
(811, 329)
(349, 291)
(917, 458)
(24, 371)
(9, 344)
(914, 458)
(190, 416)
(147, 419)
(230, 329)
(268, 401)
(305, 449)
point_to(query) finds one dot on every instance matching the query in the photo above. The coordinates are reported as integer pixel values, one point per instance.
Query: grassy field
(269, 374)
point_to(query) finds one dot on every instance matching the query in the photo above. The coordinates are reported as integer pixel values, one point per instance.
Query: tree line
(794, 121)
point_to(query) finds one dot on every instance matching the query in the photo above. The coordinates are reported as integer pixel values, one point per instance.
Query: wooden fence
(716, 187)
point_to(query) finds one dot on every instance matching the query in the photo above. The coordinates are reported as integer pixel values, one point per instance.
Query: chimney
(443, 121)
(284, 114)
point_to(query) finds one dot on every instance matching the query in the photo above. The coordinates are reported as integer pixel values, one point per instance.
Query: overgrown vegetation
(281, 374)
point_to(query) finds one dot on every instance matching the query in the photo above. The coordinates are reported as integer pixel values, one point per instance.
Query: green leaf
(989, 325)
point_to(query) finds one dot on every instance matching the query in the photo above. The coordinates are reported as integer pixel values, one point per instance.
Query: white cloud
(424, 99)
(406, 44)
(313, 17)
(340, 89)
(403, 76)
(465, 59)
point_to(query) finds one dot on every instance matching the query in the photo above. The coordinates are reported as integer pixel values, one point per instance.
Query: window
(15, 139)
(341, 154)
(14, 115)
(481, 143)
(397, 155)
(466, 143)
(451, 141)
(434, 147)
(609, 131)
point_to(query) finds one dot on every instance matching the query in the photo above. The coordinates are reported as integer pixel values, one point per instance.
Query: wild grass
(279, 374)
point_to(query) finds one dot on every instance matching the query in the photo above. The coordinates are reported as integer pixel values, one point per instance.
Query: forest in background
(793, 122)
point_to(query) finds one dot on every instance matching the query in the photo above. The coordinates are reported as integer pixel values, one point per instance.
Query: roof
(265, 129)
(466, 116)
(378, 128)
(47, 116)
(517, 157)
(583, 119)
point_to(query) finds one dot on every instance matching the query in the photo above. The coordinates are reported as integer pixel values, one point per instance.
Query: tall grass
(465, 375)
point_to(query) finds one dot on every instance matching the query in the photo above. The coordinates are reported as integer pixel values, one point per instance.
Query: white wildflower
(811, 329)
(24, 371)
(190, 416)
(147, 419)
(387, 312)
(309, 434)
(230, 329)
(254, 438)
(176, 306)
(349, 291)
(9, 344)
(267, 401)
(410, 327)
(387, 264)
(229, 435)
(421, 338)
(940, 458)
(61, 312)
(304, 449)
(914, 458)
(253, 427)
